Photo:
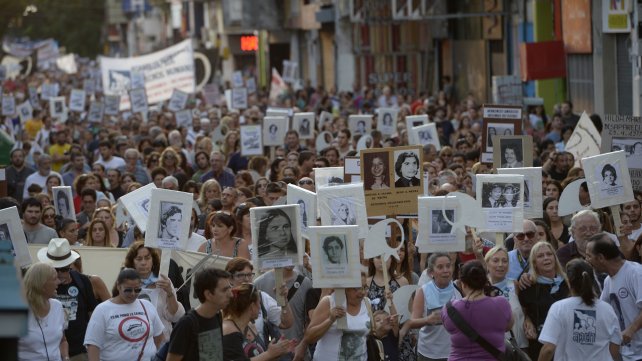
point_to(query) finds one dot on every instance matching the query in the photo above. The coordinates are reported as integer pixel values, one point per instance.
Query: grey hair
(430, 264)
(582, 213)
(132, 151)
(44, 156)
(170, 179)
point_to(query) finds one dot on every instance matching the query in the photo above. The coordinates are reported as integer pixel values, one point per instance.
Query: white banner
(165, 70)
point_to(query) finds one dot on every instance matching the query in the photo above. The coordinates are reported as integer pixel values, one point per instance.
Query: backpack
(161, 354)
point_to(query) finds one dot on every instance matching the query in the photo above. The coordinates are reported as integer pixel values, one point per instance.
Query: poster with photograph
(415, 121)
(178, 100)
(392, 179)
(324, 118)
(290, 70)
(501, 198)
(112, 104)
(89, 86)
(239, 98)
(533, 196)
(387, 120)
(11, 231)
(360, 125)
(250, 84)
(608, 180)
(25, 111)
(57, 106)
(498, 120)
(335, 257)
(64, 202)
(96, 111)
(437, 234)
(424, 134)
(211, 94)
(276, 236)
(352, 170)
(77, 100)
(303, 123)
(137, 204)
(585, 140)
(183, 118)
(328, 176)
(237, 79)
(512, 151)
(169, 218)
(34, 99)
(274, 129)
(307, 202)
(8, 105)
(138, 100)
(343, 205)
(622, 132)
(251, 142)
(49, 90)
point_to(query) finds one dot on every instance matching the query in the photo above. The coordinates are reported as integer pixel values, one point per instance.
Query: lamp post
(13, 309)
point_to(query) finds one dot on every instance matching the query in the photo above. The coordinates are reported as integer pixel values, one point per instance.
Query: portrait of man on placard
(343, 212)
(439, 223)
(361, 127)
(304, 127)
(334, 250)
(512, 153)
(169, 228)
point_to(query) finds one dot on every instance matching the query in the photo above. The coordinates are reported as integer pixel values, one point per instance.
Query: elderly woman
(334, 344)
(549, 285)
(45, 338)
(434, 341)
(245, 307)
(146, 262)
(124, 327)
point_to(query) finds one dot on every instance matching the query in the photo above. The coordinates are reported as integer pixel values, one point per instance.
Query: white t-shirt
(581, 332)
(37, 178)
(30, 346)
(347, 344)
(119, 331)
(635, 234)
(624, 293)
(113, 163)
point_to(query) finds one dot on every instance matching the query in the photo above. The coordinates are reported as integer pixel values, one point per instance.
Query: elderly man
(131, 166)
(224, 177)
(584, 225)
(622, 290)
(229, 196)
(40, 177)
(518, 257)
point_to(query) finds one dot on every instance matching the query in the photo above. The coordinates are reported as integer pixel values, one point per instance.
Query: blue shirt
(225, 178)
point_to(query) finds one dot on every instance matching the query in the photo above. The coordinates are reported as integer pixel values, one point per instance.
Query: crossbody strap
(464, 327)
(295, 286)
(149, 331)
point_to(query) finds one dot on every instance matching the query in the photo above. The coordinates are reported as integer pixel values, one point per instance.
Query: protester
(35, 231)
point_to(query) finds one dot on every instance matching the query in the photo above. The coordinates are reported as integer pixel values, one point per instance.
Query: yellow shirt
(32, 127)
(58, 150)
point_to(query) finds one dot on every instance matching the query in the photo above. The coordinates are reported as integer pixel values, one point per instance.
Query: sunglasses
(63, 269)
(132, 290)
(47, 216)
(521, 236)
(306, 182)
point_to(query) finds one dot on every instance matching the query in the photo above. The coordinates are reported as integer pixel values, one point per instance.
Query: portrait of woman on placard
(407, 167)
(170, 223)
(303, 212)
(63, 204)
(376, 171)
(275, 234)
(304, 127)
(609, 175)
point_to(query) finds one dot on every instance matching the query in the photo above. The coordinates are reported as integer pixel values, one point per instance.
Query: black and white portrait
(632, 148)
(178, 100)
(138, 99)
(512, 153)
(4, 233)
(497, 129)
(112, 104)
(360, 124)
(407, 165)
(303, 212)
(96, 110)
(170, 219)
(439, 224)
(424, 136)
(277, 230)
(500, 195)
(334, 250)
(143, 206)
(62, 204)
(610, 184)
(343, 212)
(376, 170)
(274, 129)
(77, 100)
(251, 143)
(386, 120)
(303, 123)
(304, 127)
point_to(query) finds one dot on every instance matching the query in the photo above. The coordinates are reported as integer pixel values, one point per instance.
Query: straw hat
(58, 253)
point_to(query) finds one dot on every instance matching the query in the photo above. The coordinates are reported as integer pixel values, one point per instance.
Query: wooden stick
(499, 239)
(166, 255)
(278, 281)
(340, 300)
(617, 221)
(386, 276)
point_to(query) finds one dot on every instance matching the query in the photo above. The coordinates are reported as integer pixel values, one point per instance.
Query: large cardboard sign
(436, 218)
(624, 132)
(498, 120)
(335, 257)
(165, 70)
(532, 190)
(607, 178)
(585, 140)
(501, 198)
(276, 236)
(169, 217)
(392, 180)
(343, 205)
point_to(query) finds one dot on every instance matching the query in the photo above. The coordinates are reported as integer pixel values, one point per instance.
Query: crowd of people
(565, 287)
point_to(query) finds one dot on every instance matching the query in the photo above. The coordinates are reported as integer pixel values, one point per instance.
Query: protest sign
(177, 101)
(501, 198)
(96, 110)
(607, 178)
(624, 132)
(25, 111)
(8, 105)
(498, 120)
(239, 98)
(585, 140)
(77, 100)
(138, 99)
(112, 104)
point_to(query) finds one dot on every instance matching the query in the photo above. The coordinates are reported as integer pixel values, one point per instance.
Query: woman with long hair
(68, 229)
(238, 343)
(559, 230)
(276, 167)
(53, 180)
(210, 190)
(548, 285)
(260, 188)
(553, 189)
(115, 237)
(45, 337)
(376, 284)
(48, 217)
(124, 327)
(97, 235)
(275, 234)
(581, 327)
(491, 317)
(171, 162)
(220, 230)
(146, 262)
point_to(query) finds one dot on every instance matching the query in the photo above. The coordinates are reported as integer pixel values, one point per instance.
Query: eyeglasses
(132, 290)
(244, 275)
(63, 269)
(47, 216)
(585, 229)
(521, 236)
(306, 182)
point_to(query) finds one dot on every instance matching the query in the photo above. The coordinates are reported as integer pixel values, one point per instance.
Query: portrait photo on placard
(608, 179)
(407, 166)
(424, 134)
(439, 224)
(343, 205)
(57, 106)
(494, 129)
(274, 129)
(137, 204)
(11, 231)
(275, 234)
(307, 202)
(376, 170)
(335, 256)
(169, 228)
(303, 123)
(169, 219)
(251, 143)
(632, 148)
(533, 194)
(500, 195)
(360, 124)
(112, 104)
(138, 99)
(436, 234)
(324, 118)
(63, 202)
(343, 212)
(387, 120)
(328, 176)
(415, 121)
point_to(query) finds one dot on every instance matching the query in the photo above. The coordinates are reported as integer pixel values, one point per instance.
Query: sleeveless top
(434, 340)
(378, 293)
(237, 242)
(348, 344)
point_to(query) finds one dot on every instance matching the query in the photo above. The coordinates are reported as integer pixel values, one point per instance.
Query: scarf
(149, 281)
(503, 286)
(554, 282)
(437, 297)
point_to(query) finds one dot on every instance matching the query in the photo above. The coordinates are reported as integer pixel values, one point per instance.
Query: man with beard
(77, 168)
(228, 199)
(35, 231)
(559, 164)
(632, 209)
(17, 174)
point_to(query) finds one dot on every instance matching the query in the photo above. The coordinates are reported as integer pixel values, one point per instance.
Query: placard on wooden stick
(498, 120)
(622, 132)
